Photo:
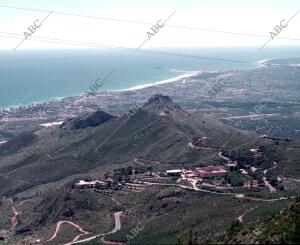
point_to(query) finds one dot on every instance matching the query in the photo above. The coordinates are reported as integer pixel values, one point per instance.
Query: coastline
(188, 88)
(272, 62)
(263, 63)
(52, 83)
(187, 75)
(170, 80)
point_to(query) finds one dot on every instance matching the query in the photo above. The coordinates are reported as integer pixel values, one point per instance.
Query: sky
(132, 19)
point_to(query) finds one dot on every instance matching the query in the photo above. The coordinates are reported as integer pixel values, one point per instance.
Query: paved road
(191, 188)
(220, 154)
(267, 184)
(236, 195)
(118, 226)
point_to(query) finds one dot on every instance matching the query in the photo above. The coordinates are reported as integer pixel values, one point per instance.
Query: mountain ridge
(98, 139)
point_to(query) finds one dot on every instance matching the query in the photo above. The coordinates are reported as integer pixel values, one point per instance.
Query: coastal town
(167, 164)
(149, 122)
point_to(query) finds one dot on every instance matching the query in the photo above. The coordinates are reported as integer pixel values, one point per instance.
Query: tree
(235, 227)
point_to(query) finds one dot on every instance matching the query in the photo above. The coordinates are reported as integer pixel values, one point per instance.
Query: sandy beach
(171, 80)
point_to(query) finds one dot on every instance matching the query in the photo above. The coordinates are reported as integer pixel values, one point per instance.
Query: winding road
(118, 226)
(14, 219)
(190, 144)
(58, 227)
(267, 184)
(137, 161)
(220, 154)
(236, 195)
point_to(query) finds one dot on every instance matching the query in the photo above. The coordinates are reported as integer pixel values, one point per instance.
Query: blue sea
(28, 77)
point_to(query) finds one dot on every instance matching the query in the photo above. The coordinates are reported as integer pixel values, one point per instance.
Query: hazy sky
(243, 16)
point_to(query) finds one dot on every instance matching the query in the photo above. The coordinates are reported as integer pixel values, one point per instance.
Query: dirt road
(117, 217)
(190, 144)
(253, 115)
(58, 227)
(296, 180)
(240, 218)
(267, 184)
(107, 242)
(14, 219)
(236, 195)
(220, 154)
